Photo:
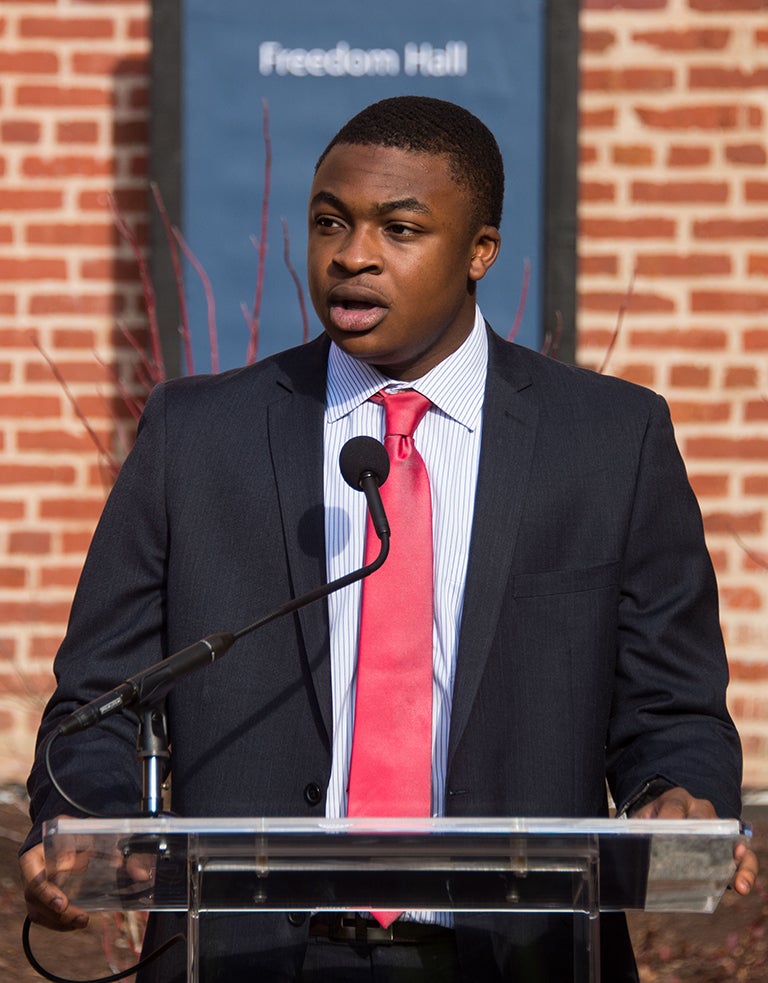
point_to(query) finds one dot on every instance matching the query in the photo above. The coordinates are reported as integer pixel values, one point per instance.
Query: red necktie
(391, 766)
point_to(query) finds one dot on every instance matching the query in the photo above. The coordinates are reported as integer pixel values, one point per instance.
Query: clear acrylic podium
(460, 865)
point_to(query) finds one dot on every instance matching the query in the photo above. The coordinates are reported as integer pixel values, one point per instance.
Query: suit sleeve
(669, 717)
(116, 629)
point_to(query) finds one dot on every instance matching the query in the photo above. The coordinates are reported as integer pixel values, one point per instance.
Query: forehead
(359, 172)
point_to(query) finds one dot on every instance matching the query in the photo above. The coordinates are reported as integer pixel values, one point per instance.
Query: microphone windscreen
(360, 455)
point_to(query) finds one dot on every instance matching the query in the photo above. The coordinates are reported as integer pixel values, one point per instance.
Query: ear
(485, 248)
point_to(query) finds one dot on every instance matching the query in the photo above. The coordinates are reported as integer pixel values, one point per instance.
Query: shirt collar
(456, 385)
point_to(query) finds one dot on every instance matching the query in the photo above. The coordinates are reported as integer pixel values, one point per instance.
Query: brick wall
(73, 121)
(674, 200)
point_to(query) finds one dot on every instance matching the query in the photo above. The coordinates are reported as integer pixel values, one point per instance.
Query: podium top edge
(259, 826)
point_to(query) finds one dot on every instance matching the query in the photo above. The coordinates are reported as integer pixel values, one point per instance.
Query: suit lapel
(509, 431)
(295, 422)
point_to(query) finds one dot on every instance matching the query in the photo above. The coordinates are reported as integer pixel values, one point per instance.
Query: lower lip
(356, 319)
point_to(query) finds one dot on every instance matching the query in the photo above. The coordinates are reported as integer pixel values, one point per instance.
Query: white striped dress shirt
(448, 438)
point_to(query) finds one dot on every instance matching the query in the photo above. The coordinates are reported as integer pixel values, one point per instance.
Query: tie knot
(404, 410)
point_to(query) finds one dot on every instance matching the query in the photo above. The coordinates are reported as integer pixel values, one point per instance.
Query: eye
(401, 230)
(327, 222)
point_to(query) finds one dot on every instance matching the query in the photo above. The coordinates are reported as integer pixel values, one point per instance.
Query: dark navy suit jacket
(589, 647)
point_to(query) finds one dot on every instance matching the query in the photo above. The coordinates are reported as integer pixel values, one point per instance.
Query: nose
(358, 251)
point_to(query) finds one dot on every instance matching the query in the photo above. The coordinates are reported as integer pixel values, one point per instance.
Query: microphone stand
(152, 750)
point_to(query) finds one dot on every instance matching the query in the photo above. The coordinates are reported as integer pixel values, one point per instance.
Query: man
(575, 624)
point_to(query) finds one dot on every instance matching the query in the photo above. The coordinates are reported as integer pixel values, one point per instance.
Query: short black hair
(433, 126)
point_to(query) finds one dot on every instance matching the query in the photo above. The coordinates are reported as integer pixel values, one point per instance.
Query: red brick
(73, 338)
(13, 577)
(730, 522)
(114, 64)
(57, 441)
(597, 191)
(58, 28)
(718, 77)
(693, 339)
(636, 155)
(90, 371)
(12, 510)
(587, 155)
(746, 153)
(740, 598)
(727, 448)
(32, 268)
(77, 131)
(690, 39)
(680, 191)
(24, 405)
(597, 41)
(641, 374)
(609, 300)
(696, 376)
(754, 671)
(731, 228)
(76, 304)
(758, 265)
(70, 165)
(700, 117)
(24, 199)
(697, 411)
(630, 228)
(120, 270)
(756, 411)
(72, 508)
(20, 131)
(740, 377)
(592, 119)
(131, 133)
(709, 485)
(72, 234)
(6, 234)
(139, 28)
(59, 577)
(44, 647)
(62, 97)
(127, 200)
(756, 190)
(595, 265)
(693, 264)
(138, 97)
(682, 156)
(28, 541)
(735, 301)
(755, 339)
(627, 79)
(755, 484)
(35, 474)
(75, 542)
(28, 63)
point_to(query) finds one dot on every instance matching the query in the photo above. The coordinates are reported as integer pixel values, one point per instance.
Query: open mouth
(356, 315)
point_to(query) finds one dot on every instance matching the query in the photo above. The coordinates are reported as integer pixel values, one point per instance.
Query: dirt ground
(730, 946)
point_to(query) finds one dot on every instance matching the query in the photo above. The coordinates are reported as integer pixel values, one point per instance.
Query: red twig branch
(213, 336)
(113, 466)
(157, 367)
(521, 301)
(619, 320)
(178, 273)
(297, 282)
(262, 240)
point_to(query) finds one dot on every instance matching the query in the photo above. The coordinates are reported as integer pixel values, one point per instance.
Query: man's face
(393, 257)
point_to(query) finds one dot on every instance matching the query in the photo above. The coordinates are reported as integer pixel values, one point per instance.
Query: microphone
(364, 464)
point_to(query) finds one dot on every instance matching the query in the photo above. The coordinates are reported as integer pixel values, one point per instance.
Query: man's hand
(47, 904)
(676, 803)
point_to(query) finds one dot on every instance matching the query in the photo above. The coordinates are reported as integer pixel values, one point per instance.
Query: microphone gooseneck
(364, 458)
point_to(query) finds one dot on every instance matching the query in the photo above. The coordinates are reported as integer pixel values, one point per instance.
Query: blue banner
(310, 67)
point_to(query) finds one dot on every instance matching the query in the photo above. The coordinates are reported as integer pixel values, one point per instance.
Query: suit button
(313, 793)
(297, 918)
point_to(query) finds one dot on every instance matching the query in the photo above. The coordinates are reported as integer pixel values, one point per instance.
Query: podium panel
(459, 865)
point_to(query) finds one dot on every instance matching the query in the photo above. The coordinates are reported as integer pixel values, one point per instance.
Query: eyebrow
(399, 204)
